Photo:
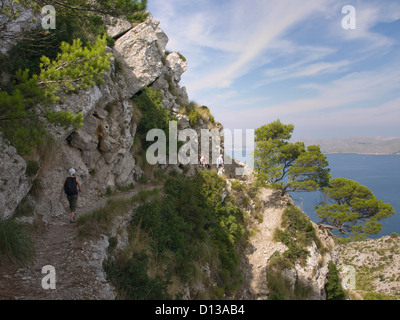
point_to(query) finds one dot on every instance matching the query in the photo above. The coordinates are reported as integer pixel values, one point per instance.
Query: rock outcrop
(101, 149)
(140, 53)
(262, 246)
(14, 183)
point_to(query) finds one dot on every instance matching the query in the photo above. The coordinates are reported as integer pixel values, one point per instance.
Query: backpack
(71, 186)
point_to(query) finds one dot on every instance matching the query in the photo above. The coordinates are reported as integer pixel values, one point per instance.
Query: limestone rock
(116, 26)
(14, 184)
(176, 64)
(140, 52)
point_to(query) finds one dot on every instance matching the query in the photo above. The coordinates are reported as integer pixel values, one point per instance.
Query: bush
(99, 220)
(279, 286)
(297, 235)
(32, 168)
(333, 287)
(190, 227)
(193, 118)
(154, 116)
(131, 275)
(16, 242)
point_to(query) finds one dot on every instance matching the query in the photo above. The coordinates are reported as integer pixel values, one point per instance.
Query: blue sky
(252, 62)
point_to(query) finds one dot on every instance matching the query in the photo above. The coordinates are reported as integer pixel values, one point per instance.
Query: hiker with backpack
(71, 188)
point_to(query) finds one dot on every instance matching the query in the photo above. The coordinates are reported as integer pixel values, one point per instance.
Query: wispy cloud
(368, 15)
(268, 21)
(345, 98)
(258, 60)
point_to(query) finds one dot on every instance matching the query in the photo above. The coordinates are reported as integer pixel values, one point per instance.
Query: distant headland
(359, 145)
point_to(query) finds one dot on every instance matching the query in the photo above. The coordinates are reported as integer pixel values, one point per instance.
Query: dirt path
(78, 264)
(262, 247)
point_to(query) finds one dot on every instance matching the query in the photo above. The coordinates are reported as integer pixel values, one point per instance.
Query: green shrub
(193, 118)
(32, 168)
(298, 233)
(187, 227)
(16, 242)
(99, 220)
(154, 116)
(333, 287)
(280, 287)
(236, 185)
(132, 276)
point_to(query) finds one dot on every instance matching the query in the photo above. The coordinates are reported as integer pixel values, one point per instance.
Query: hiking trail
(78, 263)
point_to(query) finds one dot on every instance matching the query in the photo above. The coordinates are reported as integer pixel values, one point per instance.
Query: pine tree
(288, 166)
(23, 111)
(352, 209)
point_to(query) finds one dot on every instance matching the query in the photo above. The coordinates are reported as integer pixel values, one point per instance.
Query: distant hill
(361, 145)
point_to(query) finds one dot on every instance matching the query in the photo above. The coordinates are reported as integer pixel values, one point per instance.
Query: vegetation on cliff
(188, 236)
(46, 65)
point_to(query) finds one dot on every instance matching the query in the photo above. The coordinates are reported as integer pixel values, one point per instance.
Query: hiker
(71, 187)
(220, 165)
(203, 161)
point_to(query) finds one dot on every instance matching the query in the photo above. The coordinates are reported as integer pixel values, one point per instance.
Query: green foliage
(154, 116)
(333, 287)
(16, 242)
(352, 209)
(378, 296)
(75, 68)
(133, 10)
(297, 234)
(193, 118)
(32, 167)
(195, 113)
(23, 110)
(99, 220)
(236, 185)
(131, 274)
(279, 286)
(182, 56)
(35, 44)
(288, 166)
(190, 226)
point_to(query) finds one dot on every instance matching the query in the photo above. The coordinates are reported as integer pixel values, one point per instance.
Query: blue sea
(380, 173)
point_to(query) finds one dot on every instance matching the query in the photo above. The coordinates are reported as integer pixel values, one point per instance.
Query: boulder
(140, 54)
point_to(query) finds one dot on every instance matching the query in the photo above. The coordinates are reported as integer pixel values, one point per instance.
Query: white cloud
(343, 99)
(240, 31)
(281, 40)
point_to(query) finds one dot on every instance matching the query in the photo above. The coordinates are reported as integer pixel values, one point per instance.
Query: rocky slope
(103, 153)
(376, 267)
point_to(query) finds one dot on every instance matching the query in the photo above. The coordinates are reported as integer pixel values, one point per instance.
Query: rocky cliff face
(102, 151)
(265, 212)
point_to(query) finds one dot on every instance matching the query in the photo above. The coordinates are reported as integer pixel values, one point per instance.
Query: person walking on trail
(203, 161)
(72, 187)
(220, 164)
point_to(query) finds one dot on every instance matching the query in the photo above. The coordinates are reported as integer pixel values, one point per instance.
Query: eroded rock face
(140, 52)
(100, 151)
(14, 184)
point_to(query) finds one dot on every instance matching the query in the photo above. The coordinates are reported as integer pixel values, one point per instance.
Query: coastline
(367, 154)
